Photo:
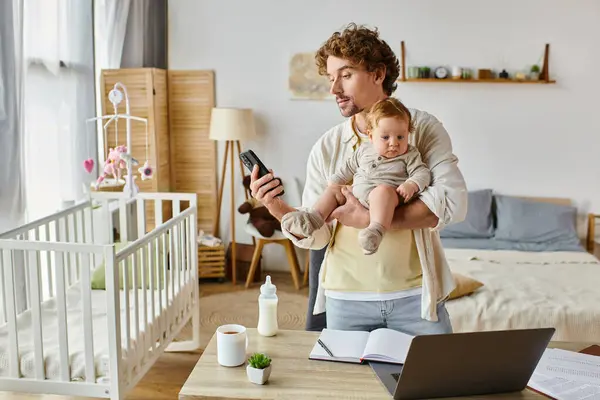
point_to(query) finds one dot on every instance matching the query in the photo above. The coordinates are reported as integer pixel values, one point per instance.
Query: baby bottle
(267, 309)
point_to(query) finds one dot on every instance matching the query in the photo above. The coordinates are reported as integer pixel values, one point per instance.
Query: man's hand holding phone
(264, 189)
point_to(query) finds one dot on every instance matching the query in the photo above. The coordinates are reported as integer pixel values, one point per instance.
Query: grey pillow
(523, 220)
(478, 222)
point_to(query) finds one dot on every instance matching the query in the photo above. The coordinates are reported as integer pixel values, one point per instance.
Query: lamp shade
(232, 124)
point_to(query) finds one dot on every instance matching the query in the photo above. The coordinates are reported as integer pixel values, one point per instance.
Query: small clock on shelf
(441, 73)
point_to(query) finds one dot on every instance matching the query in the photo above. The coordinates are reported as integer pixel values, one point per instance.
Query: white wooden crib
(60, 336)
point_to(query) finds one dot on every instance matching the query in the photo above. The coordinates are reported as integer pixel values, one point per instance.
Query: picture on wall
(305, 83)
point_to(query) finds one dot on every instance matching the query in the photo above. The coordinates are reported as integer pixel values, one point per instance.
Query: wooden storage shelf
(544, 73)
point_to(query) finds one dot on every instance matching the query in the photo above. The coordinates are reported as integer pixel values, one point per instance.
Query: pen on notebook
(325, 347)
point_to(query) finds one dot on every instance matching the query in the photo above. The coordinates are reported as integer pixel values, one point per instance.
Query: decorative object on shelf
(259, 368)
(119, 160)
(484, 75)
(534, 72)
(441, 73)
(520, 76)
(231, 125)
(456, 73)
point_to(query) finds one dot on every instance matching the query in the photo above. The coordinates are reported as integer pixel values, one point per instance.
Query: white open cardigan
(446, 197)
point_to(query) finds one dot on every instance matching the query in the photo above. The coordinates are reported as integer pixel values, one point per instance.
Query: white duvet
(528, 290)
(75, 335)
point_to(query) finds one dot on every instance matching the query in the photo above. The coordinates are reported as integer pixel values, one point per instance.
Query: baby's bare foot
(302, 223)
(370, 238)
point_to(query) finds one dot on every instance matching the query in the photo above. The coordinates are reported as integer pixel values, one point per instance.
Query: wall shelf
(498, 80)
(544, 78)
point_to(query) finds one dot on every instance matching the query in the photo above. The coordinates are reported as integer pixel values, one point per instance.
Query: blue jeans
(400, 314)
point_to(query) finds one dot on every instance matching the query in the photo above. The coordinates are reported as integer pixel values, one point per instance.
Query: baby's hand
(407, 190)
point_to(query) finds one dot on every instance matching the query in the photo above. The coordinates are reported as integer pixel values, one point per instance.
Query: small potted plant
(259, 368)
(535, 72)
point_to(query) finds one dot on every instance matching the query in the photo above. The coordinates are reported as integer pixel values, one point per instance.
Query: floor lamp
(230, 125)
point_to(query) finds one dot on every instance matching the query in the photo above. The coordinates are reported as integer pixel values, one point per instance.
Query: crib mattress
(75, 335)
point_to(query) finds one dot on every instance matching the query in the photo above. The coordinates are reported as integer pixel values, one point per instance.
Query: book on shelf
(382, 345)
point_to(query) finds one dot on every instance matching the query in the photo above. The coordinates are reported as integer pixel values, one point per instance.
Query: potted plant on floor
(259, 368)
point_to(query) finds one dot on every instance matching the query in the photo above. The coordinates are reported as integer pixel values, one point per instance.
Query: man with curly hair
(405, 284)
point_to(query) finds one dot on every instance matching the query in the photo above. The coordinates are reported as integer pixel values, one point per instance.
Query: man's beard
(349, 110)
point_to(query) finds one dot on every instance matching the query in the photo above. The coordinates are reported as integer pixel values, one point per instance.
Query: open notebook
(383, 345)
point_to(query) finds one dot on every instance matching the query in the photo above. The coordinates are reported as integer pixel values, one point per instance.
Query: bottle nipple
(268, 288)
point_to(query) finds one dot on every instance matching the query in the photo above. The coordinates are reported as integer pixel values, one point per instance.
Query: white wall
(540, 140)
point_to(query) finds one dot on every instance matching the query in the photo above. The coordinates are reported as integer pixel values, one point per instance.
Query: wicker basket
(211, 261)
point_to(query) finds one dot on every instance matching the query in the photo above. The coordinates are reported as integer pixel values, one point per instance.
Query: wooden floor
(171, 370)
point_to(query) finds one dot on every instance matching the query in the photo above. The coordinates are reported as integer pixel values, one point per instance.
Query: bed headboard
(585, 223)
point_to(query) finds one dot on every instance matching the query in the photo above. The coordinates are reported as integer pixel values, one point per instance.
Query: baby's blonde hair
(387, 108)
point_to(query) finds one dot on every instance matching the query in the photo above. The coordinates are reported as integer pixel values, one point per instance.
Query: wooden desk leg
(254, 263)
(293, 261)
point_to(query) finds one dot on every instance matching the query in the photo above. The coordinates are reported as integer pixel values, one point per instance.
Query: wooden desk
(294, 376)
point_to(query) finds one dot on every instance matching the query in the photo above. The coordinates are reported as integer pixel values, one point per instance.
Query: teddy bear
(259, 215)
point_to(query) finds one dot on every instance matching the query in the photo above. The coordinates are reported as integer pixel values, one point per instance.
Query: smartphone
(250, 159)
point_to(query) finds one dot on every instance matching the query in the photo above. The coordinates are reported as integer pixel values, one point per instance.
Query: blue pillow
(478, 222)
(523, 220)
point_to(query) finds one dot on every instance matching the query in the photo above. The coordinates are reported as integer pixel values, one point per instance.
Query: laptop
(465, 364)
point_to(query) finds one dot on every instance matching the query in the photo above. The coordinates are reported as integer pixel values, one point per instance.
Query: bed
(92, 295)
(532, 257)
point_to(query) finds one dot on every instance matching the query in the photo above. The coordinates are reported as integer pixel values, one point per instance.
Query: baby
(384, 173)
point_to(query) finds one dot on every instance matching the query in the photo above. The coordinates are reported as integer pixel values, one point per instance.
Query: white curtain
(59, 97)
(12, 204)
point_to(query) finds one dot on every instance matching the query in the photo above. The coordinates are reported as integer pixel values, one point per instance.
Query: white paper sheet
(567, 375)
(564, 389)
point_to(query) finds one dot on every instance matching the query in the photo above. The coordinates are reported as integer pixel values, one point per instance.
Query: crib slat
(176, 208)
(38, 263)
(158, 215)
(145, 267)
(164, 299)
(61, 304)
(136, 304)
(21, 256)
(123, 265)
(11, 314)
(141, 218)
(77, 238)
(36, 315)
(153, 275)
(123, 220)
(49, 263)
(114, 320)
(69, 234)
(86, 296)
(63, 235)
(108, 221)
(88, 217)
(176, 267)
